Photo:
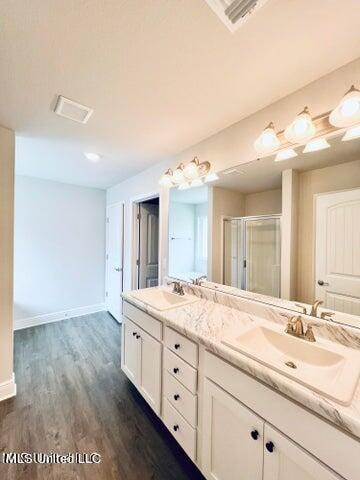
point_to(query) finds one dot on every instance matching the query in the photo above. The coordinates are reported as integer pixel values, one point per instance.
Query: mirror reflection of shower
(252, 254)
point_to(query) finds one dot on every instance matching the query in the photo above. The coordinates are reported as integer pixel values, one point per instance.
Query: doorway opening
(147, 243)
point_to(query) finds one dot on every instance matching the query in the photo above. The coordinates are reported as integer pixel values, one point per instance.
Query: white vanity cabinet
(284, 460)
(232, 437)
(141, 362)
(231, 425)
(239, 444)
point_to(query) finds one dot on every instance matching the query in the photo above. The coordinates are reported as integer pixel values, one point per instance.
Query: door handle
(118, 269)
(322, 283)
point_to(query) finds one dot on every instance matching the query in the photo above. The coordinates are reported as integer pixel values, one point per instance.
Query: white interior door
(148, 261)
(114, 259)
(337, 251)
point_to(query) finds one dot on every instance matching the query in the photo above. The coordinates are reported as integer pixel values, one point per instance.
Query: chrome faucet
(197, 281)
(177, 288)
(315, 307)
(295, 327)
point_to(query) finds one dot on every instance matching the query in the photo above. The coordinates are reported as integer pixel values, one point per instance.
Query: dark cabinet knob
(177, 346)
(176, 428)
(269, 446)
(254, 434)
(175, 370)
(134, 333)
(176, 396)
(137, 336)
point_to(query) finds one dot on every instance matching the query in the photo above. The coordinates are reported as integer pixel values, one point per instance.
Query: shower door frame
(242, 255)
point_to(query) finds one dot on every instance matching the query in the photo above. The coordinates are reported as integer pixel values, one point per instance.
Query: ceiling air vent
(72, 110)
(234, 12)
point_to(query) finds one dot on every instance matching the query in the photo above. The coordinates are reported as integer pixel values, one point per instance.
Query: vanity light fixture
(285, 154)
(351, 133)
(184, 186)
(178, 174)
(268, 141)
(193, 174)
(191, 170)
(211, 177)
(166, 179)
(301, 129)
(197, 182)
(316, 144)
(347, 112)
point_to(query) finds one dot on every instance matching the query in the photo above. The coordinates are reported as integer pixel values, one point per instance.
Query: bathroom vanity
(233, 411)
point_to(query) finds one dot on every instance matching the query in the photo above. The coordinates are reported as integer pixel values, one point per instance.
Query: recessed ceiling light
(93, 157)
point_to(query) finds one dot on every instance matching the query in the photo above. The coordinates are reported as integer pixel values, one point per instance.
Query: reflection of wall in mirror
(188, 231)
(328, 179)
(263, 203)
(222, 203)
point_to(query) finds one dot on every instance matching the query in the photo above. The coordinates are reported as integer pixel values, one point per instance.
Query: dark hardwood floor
(72, 396)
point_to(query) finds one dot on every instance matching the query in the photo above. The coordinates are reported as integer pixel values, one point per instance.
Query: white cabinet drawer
(145, 321)
(181, 370)
(180, 398)
(182, 346)
(181, 430)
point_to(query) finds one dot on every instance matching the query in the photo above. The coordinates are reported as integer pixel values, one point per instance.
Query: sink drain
(290, 364)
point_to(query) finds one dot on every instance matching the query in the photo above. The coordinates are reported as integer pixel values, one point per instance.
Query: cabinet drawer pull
(137, 336)
(176, 428)
(177, 346)
(254, 434)
(269, 446)
(175, 370)
(176, 396)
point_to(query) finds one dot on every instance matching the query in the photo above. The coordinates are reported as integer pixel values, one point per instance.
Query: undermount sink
(331, 371)
(162, 299)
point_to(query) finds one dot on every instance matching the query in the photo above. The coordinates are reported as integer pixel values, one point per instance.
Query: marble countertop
(206, 322)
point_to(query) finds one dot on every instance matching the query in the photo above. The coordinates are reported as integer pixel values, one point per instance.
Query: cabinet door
(131, 351)
(150, 371)
(284, 460)
(232, 443)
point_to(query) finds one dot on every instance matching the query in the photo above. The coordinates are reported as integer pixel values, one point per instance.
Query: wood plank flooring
(72, 396)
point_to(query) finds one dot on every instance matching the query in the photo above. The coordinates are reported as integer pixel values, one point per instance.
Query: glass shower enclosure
(252, 254)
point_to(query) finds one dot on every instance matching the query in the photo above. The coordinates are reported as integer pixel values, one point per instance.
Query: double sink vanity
(249, 391)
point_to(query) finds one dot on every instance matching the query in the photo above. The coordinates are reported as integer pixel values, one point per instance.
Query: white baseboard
(8, 389)
(57, 316)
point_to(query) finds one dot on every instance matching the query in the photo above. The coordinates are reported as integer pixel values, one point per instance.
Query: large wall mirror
(283, 232)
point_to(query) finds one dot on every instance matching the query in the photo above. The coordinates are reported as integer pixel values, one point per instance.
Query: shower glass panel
(262, 255)
(232, 253)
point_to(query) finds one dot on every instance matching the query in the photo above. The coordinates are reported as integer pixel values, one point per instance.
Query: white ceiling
(161, 75)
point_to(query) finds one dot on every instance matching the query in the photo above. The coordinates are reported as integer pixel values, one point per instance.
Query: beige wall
(289, 233)
(263, 203)
(329, 179)
(7, 160)
(222, 203)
